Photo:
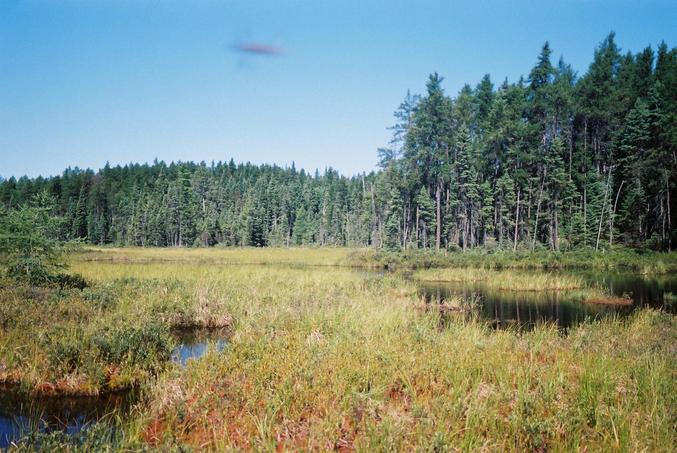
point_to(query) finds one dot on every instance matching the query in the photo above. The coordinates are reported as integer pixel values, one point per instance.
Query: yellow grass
(510, 280)
(332, 359)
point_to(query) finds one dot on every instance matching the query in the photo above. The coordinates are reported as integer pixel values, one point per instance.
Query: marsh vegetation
(502, 278)
(298, 350)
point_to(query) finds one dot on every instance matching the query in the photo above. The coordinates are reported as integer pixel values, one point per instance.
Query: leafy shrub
(147, 346)
(66, 349)
(29, 269)
(75, 281)
(29, 245)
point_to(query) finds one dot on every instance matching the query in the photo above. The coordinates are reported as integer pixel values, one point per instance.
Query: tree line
(552, 160)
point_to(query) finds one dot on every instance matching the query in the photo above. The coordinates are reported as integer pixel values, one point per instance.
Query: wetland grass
(326, 359)
(504, 280)
(608, 300)
(640, 261)
(364, 371)
(325, 256)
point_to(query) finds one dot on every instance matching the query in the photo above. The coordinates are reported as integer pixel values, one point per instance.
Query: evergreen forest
(555, 160)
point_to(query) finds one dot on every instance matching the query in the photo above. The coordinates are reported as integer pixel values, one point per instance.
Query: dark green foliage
(29, 245)
(74, 281)
(66, 349)
(556, 161)
(149, 346)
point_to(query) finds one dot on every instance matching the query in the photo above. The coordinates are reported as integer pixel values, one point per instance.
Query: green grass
(326, 256)
(363, 370)
(641, 261)
(330, 358)
(504, 280)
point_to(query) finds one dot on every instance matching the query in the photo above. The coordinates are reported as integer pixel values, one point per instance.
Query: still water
(21, 414)
(194, 344)
(524, 310)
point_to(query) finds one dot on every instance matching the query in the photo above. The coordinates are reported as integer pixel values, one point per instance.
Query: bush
(29, 245)
(73, 281)
(148, 346)
(66, 349)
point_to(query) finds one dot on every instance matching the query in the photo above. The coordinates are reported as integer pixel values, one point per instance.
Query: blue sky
(86, 82)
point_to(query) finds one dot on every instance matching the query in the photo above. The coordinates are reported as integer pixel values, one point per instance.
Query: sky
(87, 82)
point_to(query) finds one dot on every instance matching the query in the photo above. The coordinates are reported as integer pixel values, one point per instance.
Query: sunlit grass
(640, 261)
(504, 280)
(365, 371)
(332, 358)
(325, 256)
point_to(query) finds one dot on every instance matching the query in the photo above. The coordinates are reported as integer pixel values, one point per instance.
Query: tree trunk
(667, 187)
(517, 218)
(601, 215)
(418, 214)
(374, 219)
(498, 221)
(571, 146)
(438, 231)
(585, 213)
(555, 235)
(404, 227)
(613, 215)
(538, 211)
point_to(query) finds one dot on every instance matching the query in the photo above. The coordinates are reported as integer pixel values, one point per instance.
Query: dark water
(524, 310)
(21, 414)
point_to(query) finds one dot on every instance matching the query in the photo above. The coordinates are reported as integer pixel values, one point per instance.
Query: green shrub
(148, 346)
(66, 349)
(29, 244)
(75, 281)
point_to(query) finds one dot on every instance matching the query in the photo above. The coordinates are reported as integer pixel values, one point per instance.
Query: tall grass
(330, 359)
(504, 280)
(322, 360)
(325, 256)
(641, 261)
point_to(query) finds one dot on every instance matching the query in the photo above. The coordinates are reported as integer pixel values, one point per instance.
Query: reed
(504, 280)
(330, 359)
(641, 261)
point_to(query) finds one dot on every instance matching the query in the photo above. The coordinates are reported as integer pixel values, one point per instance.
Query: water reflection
(644, 290)
(21, 414)
(524, 310)
(193, 344)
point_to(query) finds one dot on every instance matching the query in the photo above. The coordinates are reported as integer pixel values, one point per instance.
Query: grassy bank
(397, 382)
(326, 256)
(333, 359)
(503, 280)
(641, 261)
(111, 336)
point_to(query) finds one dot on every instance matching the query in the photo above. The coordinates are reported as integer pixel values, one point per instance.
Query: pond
(193, 343)
(524, 310)
(21, 414)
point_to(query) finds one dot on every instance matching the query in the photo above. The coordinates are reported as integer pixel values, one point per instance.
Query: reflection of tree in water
(525, 310)
(645, 290)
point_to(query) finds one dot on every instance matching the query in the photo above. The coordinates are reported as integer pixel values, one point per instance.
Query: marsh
(318, 353)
